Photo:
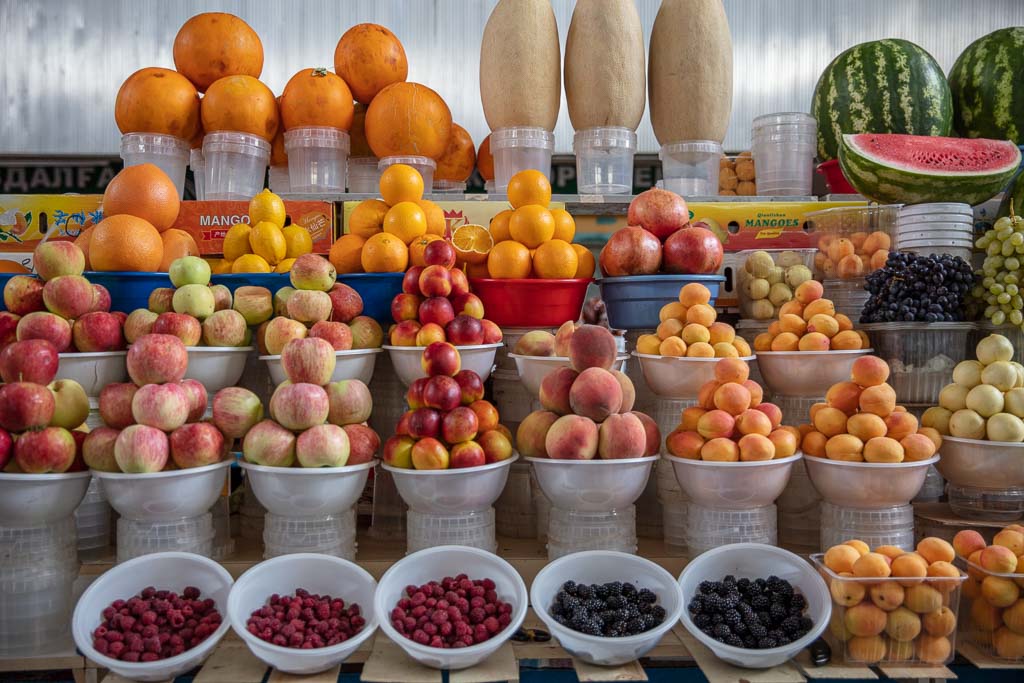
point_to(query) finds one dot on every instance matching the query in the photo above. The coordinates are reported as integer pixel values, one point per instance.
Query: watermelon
(884, 86)
(1014, 191)
(987, 82)
(916, 169)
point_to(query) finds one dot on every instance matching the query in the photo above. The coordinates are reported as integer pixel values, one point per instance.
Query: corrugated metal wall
(64, 59)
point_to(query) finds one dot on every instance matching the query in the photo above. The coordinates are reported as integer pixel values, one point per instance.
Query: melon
(987, 82)
(883, 86)
(605, 78)
(521, 65)
(915, 169)
(689, 74)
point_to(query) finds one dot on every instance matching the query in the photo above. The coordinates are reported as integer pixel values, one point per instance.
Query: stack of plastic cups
(604, 160)
(198, 165)
(166, 152)
(93, 524)
(223, 545)
(878, 526)
(326, 535)
(946, 228)
(388, 407)
(519, 148)
(363, 175)
(136, 537)
(572, 531)
(236, 164)
(279, 179)
(708, 528)
(475, 529)
(515, 511)
(690, 167)
(38, 568)
(799, 509)
(425, 165)
(252, 513)
(317, 159)
(783, 146)
(674, 508)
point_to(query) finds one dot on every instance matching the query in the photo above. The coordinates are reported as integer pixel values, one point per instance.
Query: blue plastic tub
(633, 301)
(272, 281)
(377, 291)
(128, 290)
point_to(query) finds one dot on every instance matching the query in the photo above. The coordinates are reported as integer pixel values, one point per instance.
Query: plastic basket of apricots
(737, 176)
(853, 241)
(768, 278)
(891, 605)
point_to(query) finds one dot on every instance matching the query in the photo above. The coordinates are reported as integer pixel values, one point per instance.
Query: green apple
(195, 300)
(189, 270)
(71, 405)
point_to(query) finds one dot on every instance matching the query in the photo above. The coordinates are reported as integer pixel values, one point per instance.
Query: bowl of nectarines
(985, 464)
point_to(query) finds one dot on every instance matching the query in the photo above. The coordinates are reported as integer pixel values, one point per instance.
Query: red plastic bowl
(530, 303)
(834, 178)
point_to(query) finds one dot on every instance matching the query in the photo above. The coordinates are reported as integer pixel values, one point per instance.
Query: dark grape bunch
(611, 610)
(756, 615)
(915, 288)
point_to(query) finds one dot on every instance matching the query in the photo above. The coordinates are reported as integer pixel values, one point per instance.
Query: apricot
(773, 412)
(917, 447)
(998, 559)
(649, 344)
(869, 371)
(844, 322)
(706, 394)
(934, 549)
(1013, 617)
(814, 341)
(784, 441)
(899, 425)
(689, 417)
(887, 595)
(815, 407)
(933, 435)
(756, 392)
(860, 546)
(754, 447)
(848, 340)
(909, 566)
(753, 421)
(879, 399)
(684, 444)
(672, 310)
(869, 649)
(803, 430)
(774, 328)
(808, 291)
(883, 449)
(840, 248)
(694, 293)
(847, 593)
(732, 370)
(813, 444)
(741, 346)
(792, 323)
(865, 426)
(792, 307)
(837, 627)
(865, 620)
(974, 568)
(763, 342)
(830, 421)
(999, 592)
(673, 346)
(720, 450)
(922, 598)
(1008, 538)
(721, 332)
(824, 324)
(797, 433)
(724, 350)
(872, 565)
(933, 649)
(890, 551)
(840, 558)
(902, 625)
(850, 266)
(700, 350)
(877, 241)
(941, 622)
(1008, 645)
(865, 342)
(694, 333)
(985, 617)
(900, 651)
(732, 398)
(669, 328)
(819, 307)
(786, 341)
(972, 588)
(845, 396)
(716, 424)
(967, 541)
(702, 314)
(943, 569)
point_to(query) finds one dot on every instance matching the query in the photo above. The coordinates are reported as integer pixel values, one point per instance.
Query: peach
(673, 346)
(732, 370)
(848, 340)
(865, 620)
(694, 333)
(721, 333)
(846, 593)
(902, 625)
(844, 447)
(755, 447)
(859, 545)
(999, 591)
(792, 307)
(840, 558)
(1008, 644)
(592, 346)
(700, 350)
(869, 371)
(756, 392)
(753, 421)
(866, 426)
(732, 398)
(773, 412)
(900, 425)
(398, 451)
(720, 450)
(1012, 539)
(694, 293)
(967, 541)
(554, 390)
(535, 343)
(922, 598)
(871, 565)
(532, 432)
(813, 444)
(883, 449)
(690, 416)
(562, 337)
(844, 396)
(850, 266)
(596, 393)
(763, 342)
(280, 331)
(621, 436)
(652, 432)
(716, 424)
(917, 447)
(829, 421)
(843, 322)
(572, 437)
(785, 341)
(934, 549)
(879, 399)
(792, 323)
(784, 441)
(684, 444)
(628, 391)
(496, 444)
(840, 248)
(887, 595)
(823, 324)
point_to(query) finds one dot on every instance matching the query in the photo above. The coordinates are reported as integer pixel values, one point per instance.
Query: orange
(219, 266)
(529, 187)
(477, 270)
(176, 244)
(278, 155)
(384, 253)
(406, 221)
(297, 241)
(316, 97)
(370, 57)
(509, 259)
(499, 226)
(484, 160)
(251, 263)
(212, 45)
(346, 253)
(268, 242)
(358, 146)
(532, 225)
(436, 223)
(9, 266)
(156, 100)
(585, 261)
(126, 242)
(240, 103)
(408, 119)
(565, 226)
(401, 183)
(472, 243)
(459, 157)
(83, 241)
(417, 247)
(236, 241)
(367, 218)
(555, 259)
(144, 191)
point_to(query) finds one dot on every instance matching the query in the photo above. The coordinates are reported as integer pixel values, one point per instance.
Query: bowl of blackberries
(754, 605)
(606, 608)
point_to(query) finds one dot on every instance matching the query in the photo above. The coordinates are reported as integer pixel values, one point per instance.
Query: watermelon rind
(882, 86)
(987, 82)
(892, 183)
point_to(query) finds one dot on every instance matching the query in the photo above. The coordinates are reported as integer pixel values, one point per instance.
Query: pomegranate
(631, 251)
(695, 251)
(660, 212)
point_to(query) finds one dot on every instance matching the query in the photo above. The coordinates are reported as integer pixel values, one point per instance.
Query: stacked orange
(809, 322)
(689, 328)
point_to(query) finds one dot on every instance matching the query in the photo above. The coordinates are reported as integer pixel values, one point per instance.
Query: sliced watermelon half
(918, 169)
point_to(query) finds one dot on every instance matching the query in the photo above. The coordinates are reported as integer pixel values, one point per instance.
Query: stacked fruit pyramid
(809, 322)
(995, 578)
(689, 327)
(264, 244)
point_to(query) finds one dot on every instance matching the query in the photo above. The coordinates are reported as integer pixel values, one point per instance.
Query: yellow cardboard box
(26, 219)
(457, 213)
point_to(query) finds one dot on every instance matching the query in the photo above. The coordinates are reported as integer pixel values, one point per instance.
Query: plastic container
(27, 548)
(876, 223)
(519, 148)
(533, 369)
(783, 146)
(472, 529)
(834, 178)
(377, 290)
(128, 290)
(927, 595)
(865, 484)
(93, 370)
(514, 513)
(168, 571)
(168, 153)
(449, 187)
(947, 209)
(425, 165)
(981, 464)
(572, 532)
(690, 168)
(407, 360)
(806, 373)
(921, 356)
(604, 160)
(883, 525)
(708, 528)
(634, 301)
(158, 496)
(452, 491)
(307, 491)
(328, 534)
(198, 165)
(592, 485)
(184, 534)
(363, 175)
(989, 504)
(602, 566)
(531, 303)
(217, 367)
(317, 158)
(733, 485)
(355, 364)
(433, 564)
(678, 377)
(35, 610)
(33, 499)
(271, 281)
(236, 164)
(980, 615)
(848, 296)
(757, 561)
(753, 280)
(279, 179)
(318, 574)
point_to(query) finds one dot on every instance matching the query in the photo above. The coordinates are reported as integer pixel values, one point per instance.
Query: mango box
(28, 219)
(209, 221)
(763, 225)
(457, 213)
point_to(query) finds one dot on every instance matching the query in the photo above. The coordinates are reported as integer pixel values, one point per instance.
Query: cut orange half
(472, 243)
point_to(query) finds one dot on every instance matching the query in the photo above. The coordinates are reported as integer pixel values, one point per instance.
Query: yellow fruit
(250, 263)
(509, 259)
(401, 183)
(406, 221)
(219, 266)
(585, 262)
(529, 187)
(436, 224)
(367, 218)
(472, 243)
(267, 240)
(417, 248)
(384, 253)
(284, 266)
(499, 226)
(297, 241)
(565, 226)
(532, 225)
(236, 241)
(267, 206)
(555, 259)
(346, 254)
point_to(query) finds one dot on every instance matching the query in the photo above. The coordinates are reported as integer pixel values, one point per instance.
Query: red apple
(47, 450)
(436, 309)
(363, 444)
(398, 451)
(236, 410)
(98, 332)
(424, 423)
(492, 333)
(196, 445)
(658, 211)
(299, 406)
(439, 253)
(183, 326)
(695, 251)
(164, 406)
(350, 402)
(269, 444)
(69, 296)
(101, 302)
(414, 395)
(338, 335)
(24, 406)
(23, 294)
(630, 251)
(98, 449)
(435, 281)
(471, 385)
(48, 326)
(323, 446)
(468, 304)
(157, 359)
(198, 399)
(411, 281)
(310, 360)
(6, 448)
(461, 424)
(467, 454)
(116, 404)
(404, 333)
(441, 358)
(32, 360)
(465, 330)
(405, 307)
(346, 303)
(121, 316)
(460, 283)
(138, 323)
(78, 464)
(443, 393)
(8, 328)
(140, 449)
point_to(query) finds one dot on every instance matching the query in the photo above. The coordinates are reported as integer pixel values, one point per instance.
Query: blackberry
(628, 590)
(614, 588)
(584, 591)
(743, 585)
(777, 612)
(731, 599)
(757, 630)
(749, 642)
(797, 603)
(759, 602)
(739, 627)
(761, 584)
(717, 618)
(735, 641)
(618, 602)
(658, 612)
(609, 616)
(806, 624)
(729, 579)
(647, 596)
(784, 639)
(601, 591)
(722, 631)
(569, 588)
(579, 614)
(790, 625)
(765, 643)
(706, 587)
(732, 617)
(702, 620)
(594, 604)
(569, 602)
(611, 632)
(714, 603)
(764, 617)
(634, 626)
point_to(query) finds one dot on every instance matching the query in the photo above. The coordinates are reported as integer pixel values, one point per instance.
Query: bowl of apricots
(852, 241)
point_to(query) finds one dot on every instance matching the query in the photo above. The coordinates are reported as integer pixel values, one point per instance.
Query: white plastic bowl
(156, 496)
(757, 561)
(533, 369)
(985, 464)
(316, 573)
(672, 377)
(355, 364)
(217, 367)
(445, 492)
(31, 499)
(604, 566)
(94, 370)
(807, 374)
(406, 359)
(733, 485)
(433, 564)
(867, 484)
(592, 485)
(165, 571)
(307, 491)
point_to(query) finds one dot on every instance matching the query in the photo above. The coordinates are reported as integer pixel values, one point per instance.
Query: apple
(460, 283)
(693, 251)
(630, 251)
(411, 280)
(309, 306)
(424, 422)
(405, 307)
(225, 328)
(281, 297)
(414, 394)
(496, 445)
(471, 386)
(161, 300)
(48, 326)
(139, 322)
(486, 413)
(78, 464)
(98, 449)
(309, 360)
(313, 272)
(430, 454)
(280, 331)
(441, 358)
(439, 253)
(164, 406)
(658, 211)
(195, 300)
(443, 393)
(32, 360)
(116, 404)
(6, 448)
(338, 335)
(435, 281)
(468, 304)
(47, 450)
(255, 304)
(430, 333)
(157, 359)
(140, 449)
(269, 444)
(398, 451)
(467, 454)
(52, 259)
(323, 446)
(70, 404)
(465, 330)
(299, 406)
(236, 410)
(461, 424)
(97, 332)
(196, 445)
(101, 299)
(366, 333)
(402, 426)
(492, 333)
(350, 402)
(222, 298)
(189, 270)
(69, 296)
(198, 399)
(184, 327)
(23, 294)
(404, 333)
(363, 443)
(346, 302)
(8, 328)
(25, 406)
(436, 309)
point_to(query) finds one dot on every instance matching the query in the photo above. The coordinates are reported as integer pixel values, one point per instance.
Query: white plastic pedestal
(571, 531)
(475, 529)
(324, 534)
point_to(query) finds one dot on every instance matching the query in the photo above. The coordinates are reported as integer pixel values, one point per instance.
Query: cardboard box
(457, 213)
(28, 219)
(208, 222)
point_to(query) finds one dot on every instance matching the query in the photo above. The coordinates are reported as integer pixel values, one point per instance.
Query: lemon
(236, 241)
(298, 241)
(284, 266)
(250, 263)
(267, 206)
(267, 240)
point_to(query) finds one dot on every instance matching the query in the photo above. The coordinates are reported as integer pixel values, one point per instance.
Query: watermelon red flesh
(987, 82)
(914, 169)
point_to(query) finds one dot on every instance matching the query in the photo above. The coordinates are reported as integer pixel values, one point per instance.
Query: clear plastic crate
(473, 529)
(188, 534)
(346, 551)
(570, 531)
(673, 519)
(993, 505)
(702, 521)
(921, 356)
(759, 284)
(864, 233)
(49, 544)
(879, 519)
(514, 512)
(993, 628)
(701, 544)
(848, 296)
(929, 613)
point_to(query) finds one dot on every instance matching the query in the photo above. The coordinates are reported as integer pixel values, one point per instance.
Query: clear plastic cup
(449, 187)
(279, 179)
(783, 146)
(198, 166)
(166, 152)
(690, 168)
(604, 160)
(490, 187)
(425, 165)
(363, 175)
(519, 148)
(236, 164)
(317, 158)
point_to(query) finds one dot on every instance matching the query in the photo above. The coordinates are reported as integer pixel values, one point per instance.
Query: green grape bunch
(1001, 274)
